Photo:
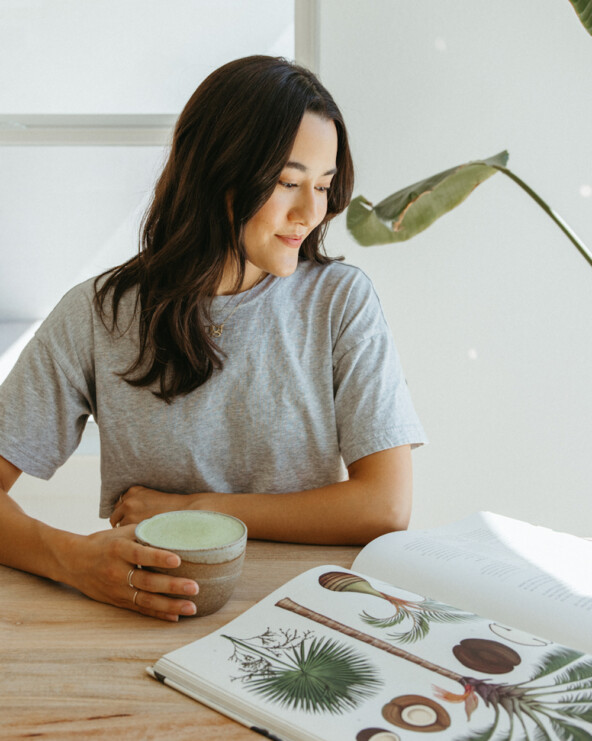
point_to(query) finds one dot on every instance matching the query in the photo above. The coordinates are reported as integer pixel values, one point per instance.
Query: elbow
(398, 520)
(384, 484)
(393, 515)
(391, 522)
(393, 506)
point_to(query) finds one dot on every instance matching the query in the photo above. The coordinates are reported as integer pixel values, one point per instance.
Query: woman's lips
(290, 240)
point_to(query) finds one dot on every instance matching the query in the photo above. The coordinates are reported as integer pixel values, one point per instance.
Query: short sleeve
(47, 397)
(373, 406)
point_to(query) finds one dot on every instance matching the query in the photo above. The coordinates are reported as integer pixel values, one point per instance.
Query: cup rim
(191, 513)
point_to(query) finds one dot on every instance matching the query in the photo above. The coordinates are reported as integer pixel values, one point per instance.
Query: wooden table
(72, 668)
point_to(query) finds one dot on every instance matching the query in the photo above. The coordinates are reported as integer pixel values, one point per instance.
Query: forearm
(30, 545)
(332, 514)
(101, 565)
(376, 499)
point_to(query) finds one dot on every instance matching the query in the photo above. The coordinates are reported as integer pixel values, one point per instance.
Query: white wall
(492, 306)
(137, 56)
(69, 212)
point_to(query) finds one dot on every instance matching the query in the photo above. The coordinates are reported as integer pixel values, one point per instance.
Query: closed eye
(289, 186)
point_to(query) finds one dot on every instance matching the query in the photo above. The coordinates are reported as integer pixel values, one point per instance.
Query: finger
(117, 514)
(123, 538)
(125, 546)
(163, 616)
(132, 518)
(119, 510)
(150, 581)
(158, 604)
(145, 555)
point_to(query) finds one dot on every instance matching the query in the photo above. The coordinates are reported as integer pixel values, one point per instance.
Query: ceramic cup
(211, 547)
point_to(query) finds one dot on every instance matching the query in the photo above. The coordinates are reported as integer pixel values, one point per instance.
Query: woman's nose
(309, 208)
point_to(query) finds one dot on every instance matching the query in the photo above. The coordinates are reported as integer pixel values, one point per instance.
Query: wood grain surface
(72, 668)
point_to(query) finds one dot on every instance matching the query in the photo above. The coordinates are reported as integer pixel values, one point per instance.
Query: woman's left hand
(138, 503)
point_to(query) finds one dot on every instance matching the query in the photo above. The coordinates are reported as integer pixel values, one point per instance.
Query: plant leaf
(325, 676)
(485, 734)
(568, 732)
(411, 210)
(584, 10)
(578, 713)
(582, 671)
(471, 704)
(557, 659)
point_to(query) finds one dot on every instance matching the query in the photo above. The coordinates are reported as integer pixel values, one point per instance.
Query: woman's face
(298, 204)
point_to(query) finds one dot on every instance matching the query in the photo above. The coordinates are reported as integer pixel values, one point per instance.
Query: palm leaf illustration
(317, 676)
(559, 659)
(489, 733)
(561, 709)
(568, 731)
(417, 614)
(578, 673)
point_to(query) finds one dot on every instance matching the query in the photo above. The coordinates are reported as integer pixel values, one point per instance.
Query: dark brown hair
(229, 147)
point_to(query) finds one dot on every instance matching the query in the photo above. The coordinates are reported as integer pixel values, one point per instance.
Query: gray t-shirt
(311, 381)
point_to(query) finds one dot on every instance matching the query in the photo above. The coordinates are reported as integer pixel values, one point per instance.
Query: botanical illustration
(517, 636)
(415, 616)
(303, 672)
(555, 702)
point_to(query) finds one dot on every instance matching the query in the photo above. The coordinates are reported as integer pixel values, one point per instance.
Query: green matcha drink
(212, 550)
(189, 530)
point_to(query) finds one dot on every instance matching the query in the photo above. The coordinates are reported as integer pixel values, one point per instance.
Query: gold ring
(135, 597)
(129, 578)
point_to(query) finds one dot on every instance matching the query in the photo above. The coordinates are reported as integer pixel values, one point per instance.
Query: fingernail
(188, 609)
(190, 588)
(173, 561)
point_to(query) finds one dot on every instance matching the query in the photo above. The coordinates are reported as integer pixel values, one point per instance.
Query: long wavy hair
(229, 147)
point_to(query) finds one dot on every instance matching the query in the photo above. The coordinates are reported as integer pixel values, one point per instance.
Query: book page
(334, 655)
(526, 576)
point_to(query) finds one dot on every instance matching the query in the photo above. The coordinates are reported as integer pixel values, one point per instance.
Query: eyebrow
(304, 168)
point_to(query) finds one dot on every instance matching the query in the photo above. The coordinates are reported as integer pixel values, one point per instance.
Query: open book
(395, 646)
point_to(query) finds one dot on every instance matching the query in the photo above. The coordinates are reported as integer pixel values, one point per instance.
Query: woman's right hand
(104, 565)
(107, 569)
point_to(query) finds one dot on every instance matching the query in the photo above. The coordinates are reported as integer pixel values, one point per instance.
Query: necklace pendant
(215, 330)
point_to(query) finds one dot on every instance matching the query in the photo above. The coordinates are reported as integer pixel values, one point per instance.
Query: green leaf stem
(409, 211)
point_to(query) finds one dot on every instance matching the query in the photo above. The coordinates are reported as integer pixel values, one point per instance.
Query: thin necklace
(215, 330)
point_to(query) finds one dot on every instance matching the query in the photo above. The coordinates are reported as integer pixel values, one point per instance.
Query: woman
(230, 365)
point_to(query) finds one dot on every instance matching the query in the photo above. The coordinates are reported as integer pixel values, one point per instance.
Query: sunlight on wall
(13, 338)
